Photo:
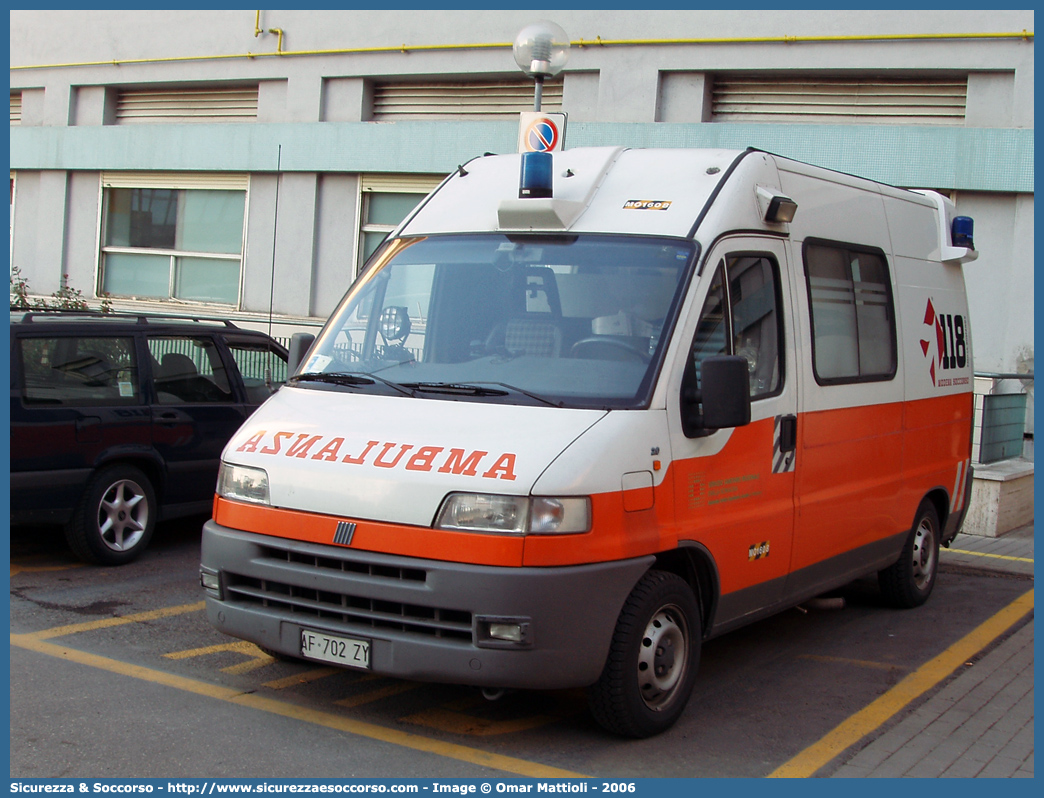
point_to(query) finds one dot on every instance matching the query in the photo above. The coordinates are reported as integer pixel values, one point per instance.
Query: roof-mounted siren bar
(956, 233)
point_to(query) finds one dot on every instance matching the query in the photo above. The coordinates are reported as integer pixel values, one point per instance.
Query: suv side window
(188, 370)
(67, 371)
(261, 367)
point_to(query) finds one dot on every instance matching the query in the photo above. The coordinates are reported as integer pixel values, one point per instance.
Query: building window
(853, 319)
(381, 213)
(387, 200)
(173, 243)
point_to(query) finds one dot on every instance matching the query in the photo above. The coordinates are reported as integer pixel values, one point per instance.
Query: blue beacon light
(535, 179)
(961, 232)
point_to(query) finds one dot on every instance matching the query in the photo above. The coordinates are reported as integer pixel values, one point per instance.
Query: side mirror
(299, 345)
(724, 398)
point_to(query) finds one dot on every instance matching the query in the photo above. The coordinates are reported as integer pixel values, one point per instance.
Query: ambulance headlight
(484, 512)
(243, 483)
(514, 515)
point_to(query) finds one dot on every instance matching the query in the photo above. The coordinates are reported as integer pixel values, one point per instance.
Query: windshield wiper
(453, 388)
(348, 378)
(336, 377)
(474, 389)
(535, 396)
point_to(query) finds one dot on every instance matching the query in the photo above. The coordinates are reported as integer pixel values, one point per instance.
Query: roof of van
(596, 189)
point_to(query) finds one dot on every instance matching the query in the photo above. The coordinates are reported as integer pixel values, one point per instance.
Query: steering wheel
(615, 343)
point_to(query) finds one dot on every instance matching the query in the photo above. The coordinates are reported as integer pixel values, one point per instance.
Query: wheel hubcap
(662, 657)
(123, 515)
(924, 554)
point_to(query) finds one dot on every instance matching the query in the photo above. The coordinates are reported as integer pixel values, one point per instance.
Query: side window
(188, 370)
(261, 367)
(712, 335)
(741, 317)
(755, 320)
(75, 372)
(853, 319)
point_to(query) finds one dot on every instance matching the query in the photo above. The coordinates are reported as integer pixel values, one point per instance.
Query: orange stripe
(409, 541)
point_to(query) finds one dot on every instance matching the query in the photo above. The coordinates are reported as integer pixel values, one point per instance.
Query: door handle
(787, 433)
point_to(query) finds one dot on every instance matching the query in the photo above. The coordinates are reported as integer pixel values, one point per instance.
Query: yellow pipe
(279, 44)
(596, 42)
(257, 24)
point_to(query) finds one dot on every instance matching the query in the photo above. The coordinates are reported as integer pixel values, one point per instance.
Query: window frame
(136, 399)
(849, 248)
(211, 346)
(729, 320)
(173, 182)
(370, 184)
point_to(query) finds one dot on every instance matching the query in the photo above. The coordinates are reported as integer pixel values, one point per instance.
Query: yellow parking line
(23, 567)
(257, 657)
(105, 623)
(242, 646)
(987, 554)
(376, 695)
(875, 714)
(474, 756)
(302, 678)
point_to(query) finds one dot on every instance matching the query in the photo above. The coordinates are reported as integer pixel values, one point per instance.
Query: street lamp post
(541, 51)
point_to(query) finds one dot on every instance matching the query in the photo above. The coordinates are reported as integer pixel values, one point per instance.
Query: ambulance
(583, 411)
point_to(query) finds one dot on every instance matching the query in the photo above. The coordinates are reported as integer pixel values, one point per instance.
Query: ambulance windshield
(571, 321)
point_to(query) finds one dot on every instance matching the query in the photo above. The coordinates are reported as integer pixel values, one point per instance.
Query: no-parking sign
(540, 132)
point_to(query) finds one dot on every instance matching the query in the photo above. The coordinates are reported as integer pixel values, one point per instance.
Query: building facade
(244, 164)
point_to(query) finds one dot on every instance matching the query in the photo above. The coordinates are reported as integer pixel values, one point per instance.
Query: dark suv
(118, 421)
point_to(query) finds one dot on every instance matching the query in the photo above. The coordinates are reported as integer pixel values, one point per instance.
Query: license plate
(349, 651)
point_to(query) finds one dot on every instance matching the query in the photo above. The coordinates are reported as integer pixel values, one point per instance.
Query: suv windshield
(576, 321)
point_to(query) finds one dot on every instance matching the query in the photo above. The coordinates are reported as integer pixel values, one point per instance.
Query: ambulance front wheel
(652, 660)
(909, 582)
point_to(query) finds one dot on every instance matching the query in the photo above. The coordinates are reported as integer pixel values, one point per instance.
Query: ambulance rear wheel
(653, 657)
(909, 582)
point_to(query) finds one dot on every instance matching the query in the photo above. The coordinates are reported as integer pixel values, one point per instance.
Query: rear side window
(188, 370)
(853, 315)
(79, 372)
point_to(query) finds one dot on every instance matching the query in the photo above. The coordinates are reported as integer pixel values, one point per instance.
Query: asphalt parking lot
(115, 672)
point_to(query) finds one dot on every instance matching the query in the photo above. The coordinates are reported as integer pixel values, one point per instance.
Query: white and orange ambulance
(584, 411)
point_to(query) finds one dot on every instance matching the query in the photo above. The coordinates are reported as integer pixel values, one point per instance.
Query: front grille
(345, 608)
(345, 566)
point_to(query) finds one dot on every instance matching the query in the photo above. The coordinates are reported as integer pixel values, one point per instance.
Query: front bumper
(427, 619)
